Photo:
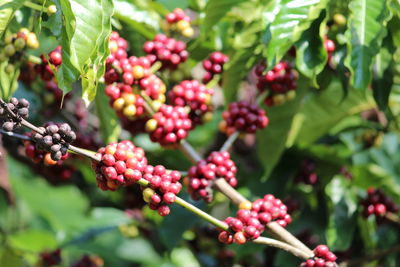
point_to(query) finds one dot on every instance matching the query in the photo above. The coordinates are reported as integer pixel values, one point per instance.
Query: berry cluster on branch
(280, 82)
(213, 65)
(323, 258)
(251, 219)
(18, 107)
(178, 21)
(166, 50)
(243, 116)
(378, 203)
(44, 69)
(201, 176)
(196, 96)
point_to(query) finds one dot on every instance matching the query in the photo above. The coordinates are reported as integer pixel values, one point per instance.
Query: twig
(15, 135)
(281, 245)
(156, 66)
(35, 6)
(393, 218)
(192, 154)
(229, 142)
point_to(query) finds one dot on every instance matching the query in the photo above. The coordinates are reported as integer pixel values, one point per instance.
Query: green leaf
(33, 240)
(139, 15)
(10, 259)
(292, 18)
(87, 27)
(109, 123)
(235, 70)
(364, 36)
(272, 140)
(7, 10)
(8, 81)
(343, 206)
(45, 200)
(324, 109)
(54, 22)
(216, 9)
(382, 81)
(311, 56)
(138, 250)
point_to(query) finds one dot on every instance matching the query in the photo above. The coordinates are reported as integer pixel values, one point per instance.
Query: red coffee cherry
(214, 64)
(280, 82)
(329, 46)
(166, 50)
(307, 173)
(121, 164)
(196, 96)
(323, 258)
(244, 117)
(169, 125)
(44, 70)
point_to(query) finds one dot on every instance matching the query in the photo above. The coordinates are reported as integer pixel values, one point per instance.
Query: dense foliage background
(343, 122)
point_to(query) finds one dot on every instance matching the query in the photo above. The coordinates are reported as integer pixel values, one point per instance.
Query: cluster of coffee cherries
(178, 21)
(19, 107)
(214, 64)
(307, 173)
(196, 96)
(280, 82)
(378, 203)
(55, 140)
(40, 156)
(163, 187)
(251, 219)
(44, 69)
(243, 116)
(50, 258)
(15, 46)
(120, 164)
(323, 258)
(169, 125)
(168, 51)
(89, 261)
(201, 176)
(329, 46)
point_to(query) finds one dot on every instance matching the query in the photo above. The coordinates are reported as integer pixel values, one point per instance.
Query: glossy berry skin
(378, 203)
(169, 125)
(243, 116)
(280, 82)
(121, 164)
(214, 64)
(166, 50)
(44, 70)
(194, 95)
(200, 176)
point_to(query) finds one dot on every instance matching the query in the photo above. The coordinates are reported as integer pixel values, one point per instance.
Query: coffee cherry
(178, 21)
(194, 95)
(52, 9)
(239, 238)
(214, 64)
(278, 82)
(323, 258)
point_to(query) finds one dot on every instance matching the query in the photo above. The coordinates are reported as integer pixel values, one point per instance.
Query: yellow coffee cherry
(182, 25)
(118, 104)
(113, 46)
(222, 126)
(188, 32)
(138, 72)
(161, 98)
(129, 111)
(147, 194)
(156, 104)
(151, 125)
(291, 95)
(279, 99)
(163, 88)
(32, 41)
(245, 205)
(129, 98)
(207, 117)
(52, 9)
(339, 19)
(9, 50)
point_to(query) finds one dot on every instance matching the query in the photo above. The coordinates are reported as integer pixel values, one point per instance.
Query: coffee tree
(199, 133)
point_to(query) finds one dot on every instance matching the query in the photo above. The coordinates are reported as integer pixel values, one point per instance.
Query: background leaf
(7, 9)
